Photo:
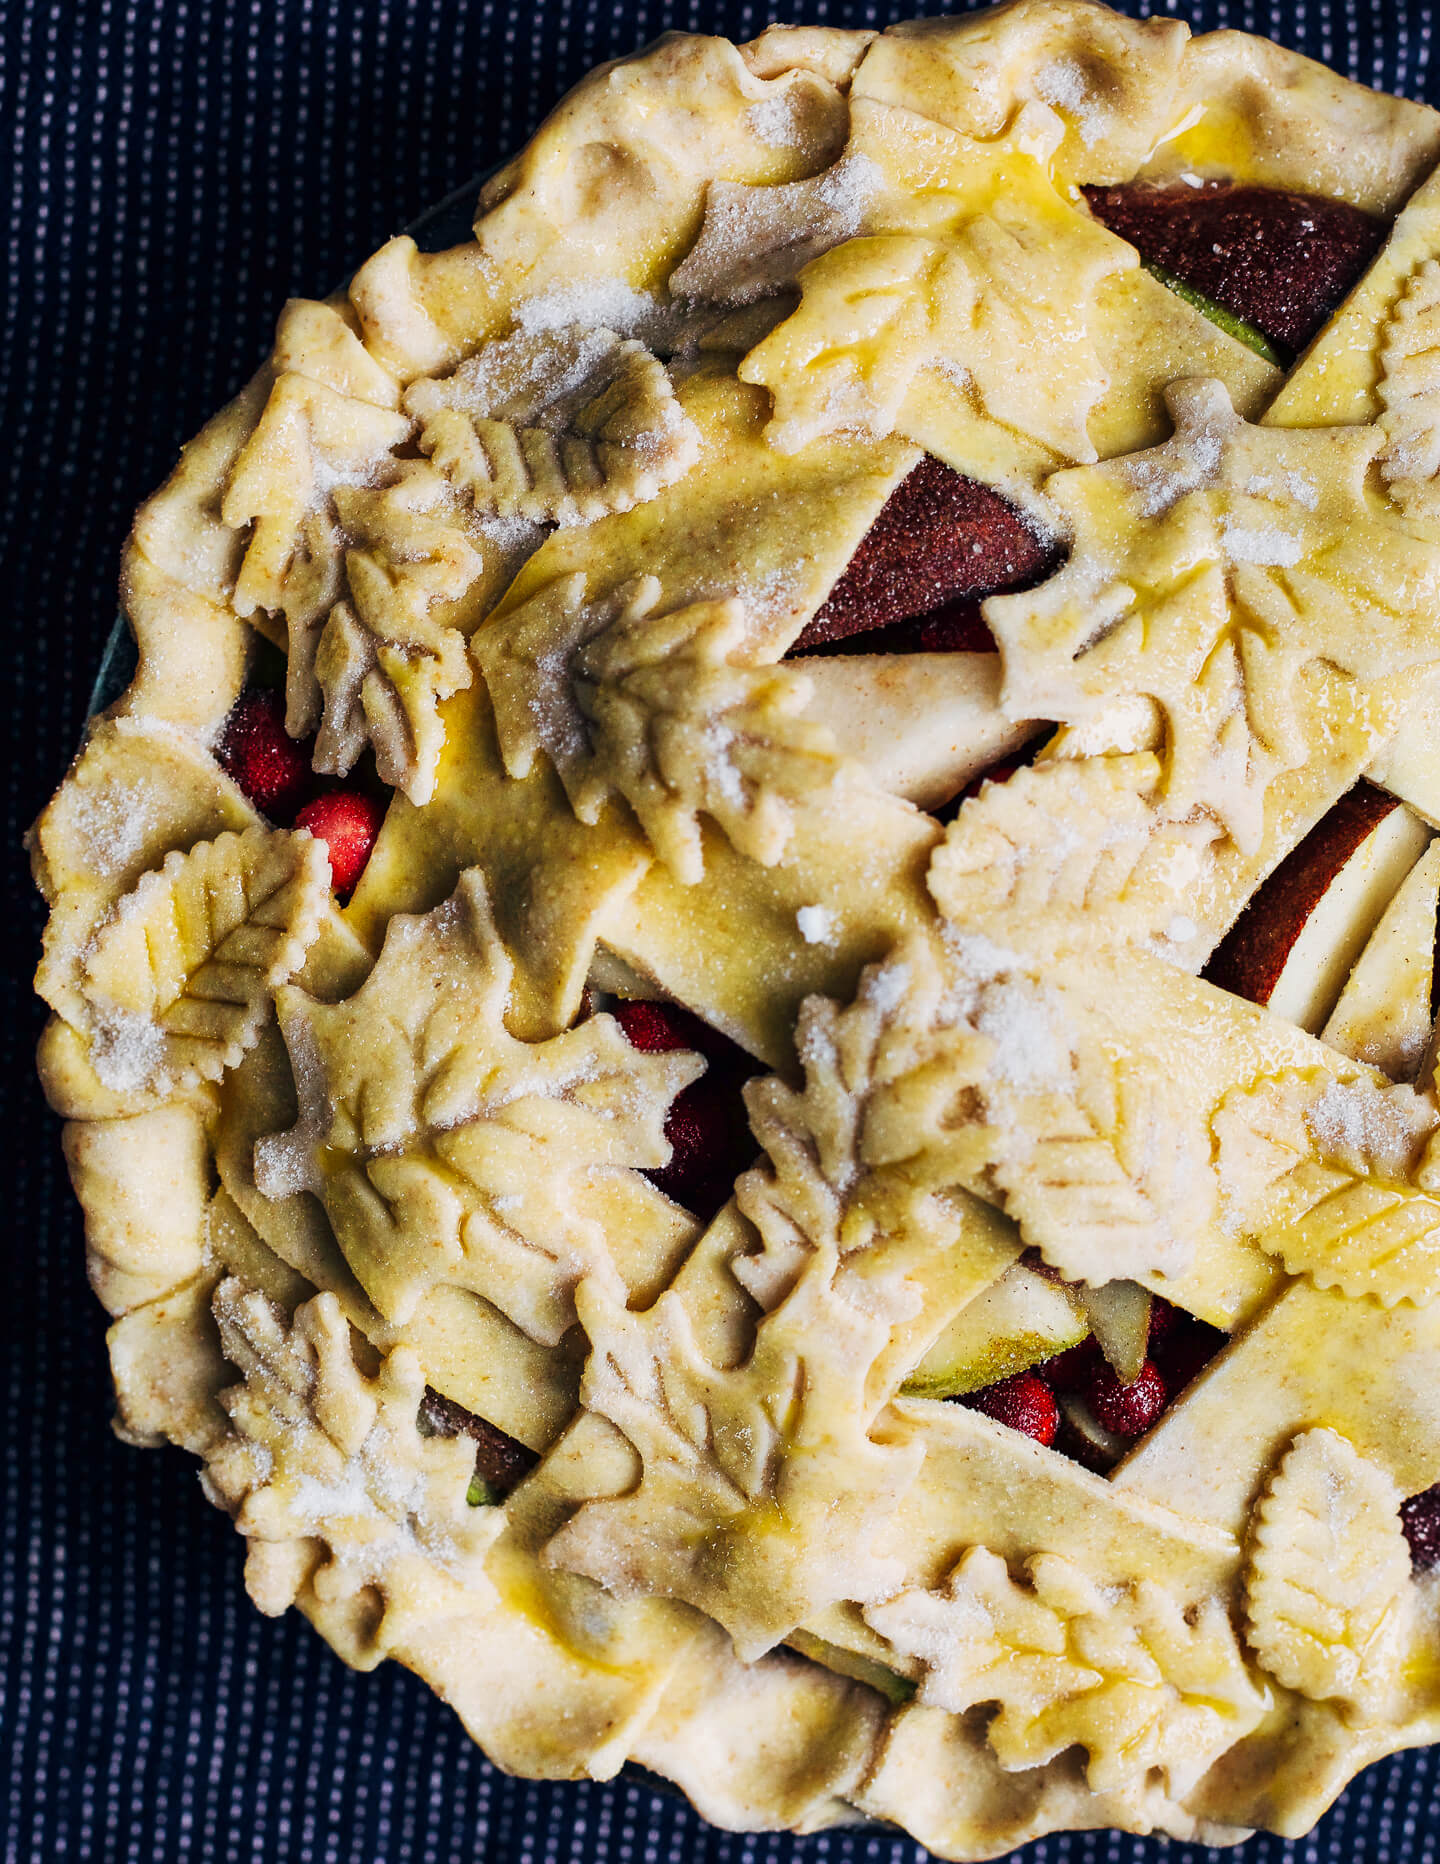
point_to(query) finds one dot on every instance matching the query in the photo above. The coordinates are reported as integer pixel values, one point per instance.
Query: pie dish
(740, 1180)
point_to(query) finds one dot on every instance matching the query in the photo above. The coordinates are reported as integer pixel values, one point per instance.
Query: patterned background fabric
(179, 168)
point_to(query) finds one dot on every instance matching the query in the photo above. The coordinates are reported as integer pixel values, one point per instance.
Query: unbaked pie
(745, 996)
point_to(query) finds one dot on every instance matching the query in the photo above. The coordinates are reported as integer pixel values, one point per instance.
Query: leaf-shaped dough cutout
(967, 259)
(448, 1152)
(649, 705)
(1076, 850)
(1205, 574)
(1410, 392)
(754, 241)
(958, 1067)
(1329, 1176)
(558, 426)
(1328, 1585)
(761, 1489)
(179, 979)
(330, 1480)
(309, 440)
(389, 655)
(1135, 1677)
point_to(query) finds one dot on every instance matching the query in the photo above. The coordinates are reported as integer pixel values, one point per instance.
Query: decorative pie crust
(535, 523)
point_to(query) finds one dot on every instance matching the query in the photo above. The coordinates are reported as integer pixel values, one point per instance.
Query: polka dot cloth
(179, 167)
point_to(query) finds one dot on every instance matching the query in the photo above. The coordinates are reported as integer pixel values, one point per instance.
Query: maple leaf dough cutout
(1409, 390)
(761, 1488)
(342, 1499)
(628, 701)
(968, 260)
(1204, 574)
(443, 1149)
(308, 441)
(985, 1077)
(1338, 1180)
(556, 426)
(178, 980)
(395, 649)
(754, 241)
(1076, 852)
(1328, 1590)
(1138, 1679)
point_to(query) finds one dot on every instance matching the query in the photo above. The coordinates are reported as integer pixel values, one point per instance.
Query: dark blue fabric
(179, 168)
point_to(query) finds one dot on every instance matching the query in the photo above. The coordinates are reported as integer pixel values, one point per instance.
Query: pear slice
(1094, 1446)
(896, 1689)
(1020, 1318)
(1408, 766)
(1119, 1317)
(922, 724)
(1383, 1015)
(1298, 939)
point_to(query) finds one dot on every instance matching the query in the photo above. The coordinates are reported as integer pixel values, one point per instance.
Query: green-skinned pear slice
(1018, 1321)
(896, 1689)
(1119, 1317)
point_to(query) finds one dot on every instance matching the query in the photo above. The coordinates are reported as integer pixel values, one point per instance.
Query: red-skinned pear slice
(179, 979)
(1383, 1015)
(1328, 1589)
(1408, 766)
(1302, 936)
(923, 725)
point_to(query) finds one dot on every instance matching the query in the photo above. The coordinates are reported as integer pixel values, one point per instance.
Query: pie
(744, 999)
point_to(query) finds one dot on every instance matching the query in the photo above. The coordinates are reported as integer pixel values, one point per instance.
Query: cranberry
(1024, 1402)
(1126, 1410)
(347, 821)
(256, 750)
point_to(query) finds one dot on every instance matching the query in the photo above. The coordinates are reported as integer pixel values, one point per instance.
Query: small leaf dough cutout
(629, 701)
(390, 654)
(557, 426)
(328, 1477)
(1409, 390)
(968, 260)
(309, 441)
(1332, 1177)
(1204, 574)
(761, 1489)
(446, 1151)
(754, 241)
(1328, 1589)
(179, 978)
(1073, 852)
(1135, 1677)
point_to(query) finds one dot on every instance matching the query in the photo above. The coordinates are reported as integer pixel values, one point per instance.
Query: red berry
(347, 822)
(257, 751)
(654, 1028)
(1000, 772)
(1024, 1402)
(657, 1028)
(1420, 1518)
(1073, 1369)
(1183, 1350)
(1127, 1410)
